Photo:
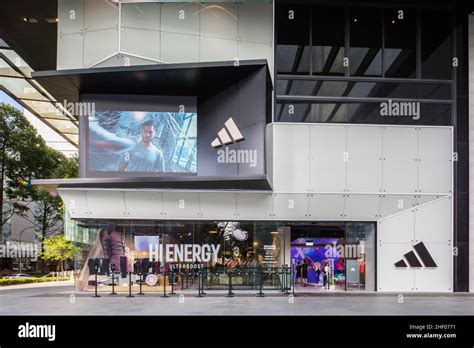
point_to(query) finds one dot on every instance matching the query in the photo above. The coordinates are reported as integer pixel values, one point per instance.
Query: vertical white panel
(364, 167)
(219, 20)
(180, 18)
(433, 222)
(326, 206)
(99, 45)
(221, 206)
(133, 42)
(328, 161)
(393, 204)
(214, 49)
(437, 279)
(144, 205)
(76, 203)
(290, 206)
(100, 14)
(398, 228)
(179, 48)
(389, 277)
(106, 204)
(71, 54)
(180, 205)
(141, 16)
(291, 169)
(435, 160)
(71, 16)
(400, 154)
(254, 206)
(361, 207)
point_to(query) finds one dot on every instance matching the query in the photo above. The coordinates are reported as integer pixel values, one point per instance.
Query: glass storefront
(206, 254)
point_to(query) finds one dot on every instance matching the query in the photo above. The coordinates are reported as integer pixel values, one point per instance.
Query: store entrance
(333, 256)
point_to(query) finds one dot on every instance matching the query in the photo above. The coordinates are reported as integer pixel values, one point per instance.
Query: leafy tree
(22, 158)
(58, 249)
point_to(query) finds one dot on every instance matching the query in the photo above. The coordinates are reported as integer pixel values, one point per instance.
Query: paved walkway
(59, 300)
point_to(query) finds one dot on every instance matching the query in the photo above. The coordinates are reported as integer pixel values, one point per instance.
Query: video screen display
(142, 243)
(142, 142)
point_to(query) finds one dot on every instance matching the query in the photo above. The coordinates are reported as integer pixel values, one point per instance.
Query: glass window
(328, 40)
(293, 44)
(365, 57)
(436, 46)
(400, 43)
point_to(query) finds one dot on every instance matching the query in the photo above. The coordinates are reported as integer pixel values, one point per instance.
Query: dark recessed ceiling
(34, 42)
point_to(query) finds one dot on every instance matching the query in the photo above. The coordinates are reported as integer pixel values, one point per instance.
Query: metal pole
(130, 285)
(204, 276)
(199, 285)
(230, 293)
(164, 285)
(172, 283)
(141, 282)
(113, 280)
(96, 268)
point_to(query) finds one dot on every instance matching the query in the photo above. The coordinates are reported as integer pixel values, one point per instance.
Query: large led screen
(142, 142)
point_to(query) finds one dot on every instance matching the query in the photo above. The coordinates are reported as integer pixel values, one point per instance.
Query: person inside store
(304, 272)
(298, 273)
(317, 271)
(326, 273)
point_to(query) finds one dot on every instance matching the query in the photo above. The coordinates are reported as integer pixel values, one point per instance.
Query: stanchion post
(141, 282)
(172, 283)
(112, 268)
(130, 285)
(230, 293)
(96, 269)
(203, 276)
(260, 293)
(164, 285)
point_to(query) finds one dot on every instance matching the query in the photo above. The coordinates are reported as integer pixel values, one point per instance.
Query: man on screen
(145, 156)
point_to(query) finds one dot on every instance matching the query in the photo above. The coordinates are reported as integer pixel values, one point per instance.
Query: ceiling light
(29, 20)
(52, 20)
(274, 232)
(212, 232)
(355, 20)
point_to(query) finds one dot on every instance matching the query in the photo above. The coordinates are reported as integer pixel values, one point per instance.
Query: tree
(22, 158)
(58, 249)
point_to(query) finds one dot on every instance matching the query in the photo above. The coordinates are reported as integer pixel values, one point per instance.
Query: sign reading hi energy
(184, 252)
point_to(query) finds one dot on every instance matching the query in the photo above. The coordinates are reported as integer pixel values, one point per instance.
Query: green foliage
(57, 248)
(18, 281)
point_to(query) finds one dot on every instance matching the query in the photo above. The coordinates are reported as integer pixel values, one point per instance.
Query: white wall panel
(72, 54)
(99, 45)
(364, 167)
(220, 206)
(132, 42)
(219, 20)
(436, 279)
(181, 17)
(144, 205)
(290, 206)
(100, 14)
(76, 203)
(398, 228)
(361, 207)
(326, 206)
(254, 206)
(435, 159)
(106, 204)
(256, 22)
(141, 16)
(393, 204)
(179, 48)
(291, 168)
(328, 164)
(181, 205)
(399, 165)
(215, 49)
(389, 277)
(433, 222)
(71, 13)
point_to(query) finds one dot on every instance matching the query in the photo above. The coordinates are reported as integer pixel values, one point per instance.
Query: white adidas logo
(227, 135)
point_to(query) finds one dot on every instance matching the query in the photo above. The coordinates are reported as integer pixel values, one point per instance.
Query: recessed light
(52, 20)
(29, 20)
(355, 20)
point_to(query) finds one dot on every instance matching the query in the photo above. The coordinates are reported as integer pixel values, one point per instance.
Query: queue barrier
(280, 278)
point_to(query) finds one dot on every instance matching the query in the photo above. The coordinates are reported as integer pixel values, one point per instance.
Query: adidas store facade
(260, 143)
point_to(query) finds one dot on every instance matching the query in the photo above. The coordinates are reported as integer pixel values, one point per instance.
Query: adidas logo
(227, 135)
(413, 258)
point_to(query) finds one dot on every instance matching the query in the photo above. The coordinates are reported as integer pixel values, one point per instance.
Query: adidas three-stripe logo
(414, 260)
(227, 135)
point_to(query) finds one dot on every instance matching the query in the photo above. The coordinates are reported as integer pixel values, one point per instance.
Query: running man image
(145, 156)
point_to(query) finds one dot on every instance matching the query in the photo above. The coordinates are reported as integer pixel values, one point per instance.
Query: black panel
(400, 264)
(424, 255)
(412, 259)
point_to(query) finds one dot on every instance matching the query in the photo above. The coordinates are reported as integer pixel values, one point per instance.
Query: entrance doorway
(333, 256)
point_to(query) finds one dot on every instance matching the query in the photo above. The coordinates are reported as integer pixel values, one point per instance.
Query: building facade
(331, 134)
